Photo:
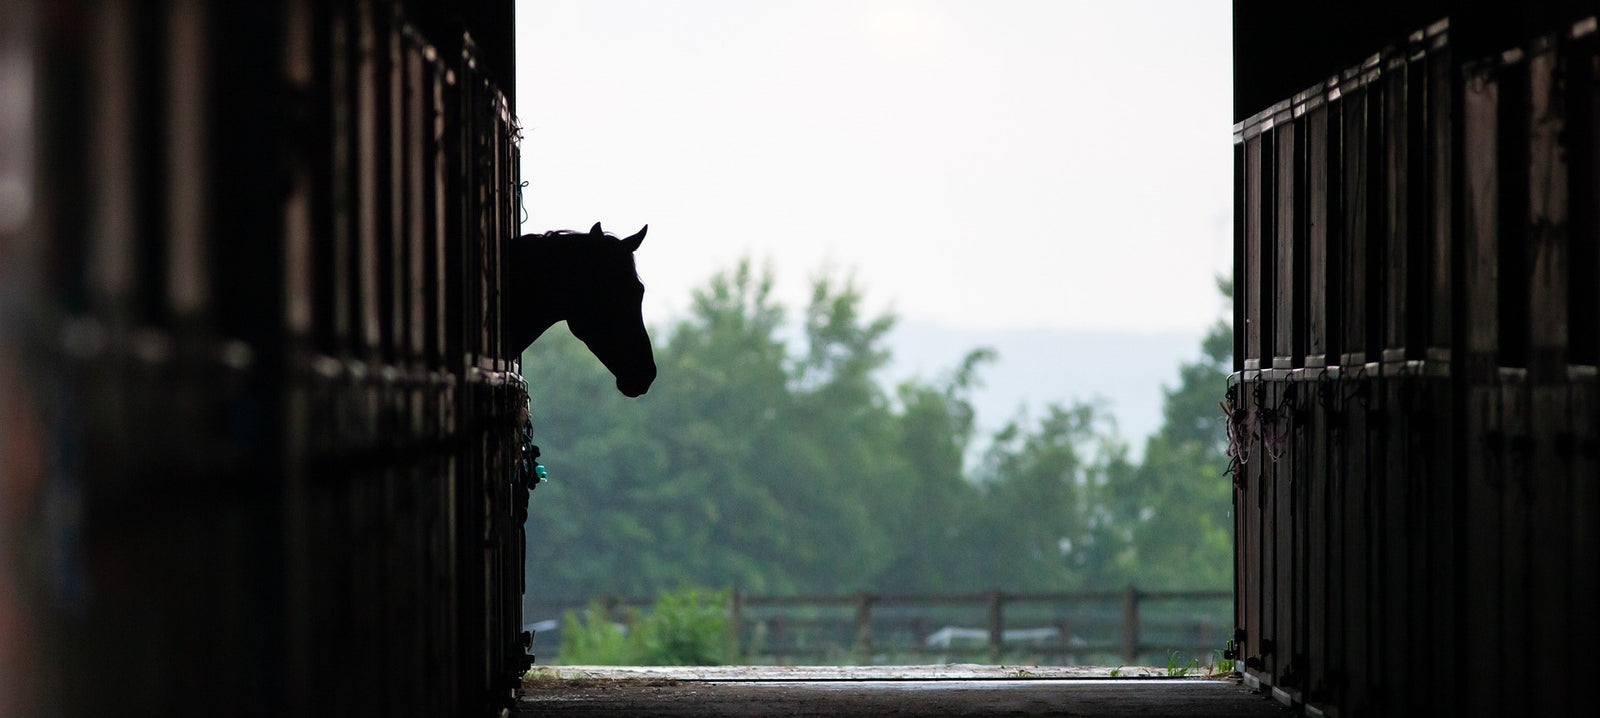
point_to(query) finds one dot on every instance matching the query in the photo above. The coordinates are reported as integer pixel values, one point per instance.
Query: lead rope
(1238, 427)
(530, 473)
(530, 465)
(1276, 422)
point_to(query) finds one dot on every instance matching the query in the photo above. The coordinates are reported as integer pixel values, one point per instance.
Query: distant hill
(1039, 366)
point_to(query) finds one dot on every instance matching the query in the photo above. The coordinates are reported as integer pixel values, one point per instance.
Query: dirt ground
(900, 691)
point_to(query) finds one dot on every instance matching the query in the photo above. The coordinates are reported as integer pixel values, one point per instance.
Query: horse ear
(596, 231)
(632, 243)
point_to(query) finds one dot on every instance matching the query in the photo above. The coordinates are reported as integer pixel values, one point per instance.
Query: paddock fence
(1116, 627)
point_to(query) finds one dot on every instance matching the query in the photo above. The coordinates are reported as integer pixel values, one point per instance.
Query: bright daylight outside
(938, 294)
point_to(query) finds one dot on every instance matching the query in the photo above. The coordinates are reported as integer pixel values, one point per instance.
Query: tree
(746, 465)
(934, 546)
(1044, 488)
(1176, 508)
(778, 468)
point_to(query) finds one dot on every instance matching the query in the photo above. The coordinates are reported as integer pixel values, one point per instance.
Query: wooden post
(735, 623)
(997, 628)
(919, 631)
(776, 645)
(864, 621)
(1130, 625)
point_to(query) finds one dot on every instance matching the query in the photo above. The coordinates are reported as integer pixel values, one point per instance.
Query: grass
(1223, 663)
(540, 674)
(685, 628)
(1177, 670)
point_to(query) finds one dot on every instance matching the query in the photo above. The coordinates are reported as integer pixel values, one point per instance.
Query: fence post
(864, 621)
(780, 633)
(997, 628)
(1130, 625)
(735, 623)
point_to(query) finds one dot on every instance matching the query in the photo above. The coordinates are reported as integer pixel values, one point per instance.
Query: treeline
(782, 467)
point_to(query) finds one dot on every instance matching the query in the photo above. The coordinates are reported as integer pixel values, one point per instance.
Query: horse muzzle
(636, 386)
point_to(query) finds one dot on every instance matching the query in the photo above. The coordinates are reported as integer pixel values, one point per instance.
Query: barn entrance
(781, 481)
(262, 434)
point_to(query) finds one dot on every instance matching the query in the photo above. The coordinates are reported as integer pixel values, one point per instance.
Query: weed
(1223, 663)
(1116, 672)
(594, 639)
(541, 674)
(686, 628)
(1174, 670)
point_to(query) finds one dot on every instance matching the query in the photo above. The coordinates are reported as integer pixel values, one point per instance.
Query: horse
(588, 280)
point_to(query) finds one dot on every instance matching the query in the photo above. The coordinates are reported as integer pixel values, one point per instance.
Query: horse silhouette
(588, 280)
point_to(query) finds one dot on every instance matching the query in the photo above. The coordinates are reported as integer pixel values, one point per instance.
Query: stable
(1413, 416)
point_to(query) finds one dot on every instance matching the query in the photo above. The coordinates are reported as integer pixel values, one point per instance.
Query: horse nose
(637, 385)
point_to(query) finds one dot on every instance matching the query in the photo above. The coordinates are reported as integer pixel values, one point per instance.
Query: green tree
(934, 548)
(1175, 510)
(779, 467)
(841, 477)
(1044, 486)
(747, 464)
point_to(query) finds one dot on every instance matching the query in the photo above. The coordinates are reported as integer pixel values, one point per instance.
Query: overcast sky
(977, 163)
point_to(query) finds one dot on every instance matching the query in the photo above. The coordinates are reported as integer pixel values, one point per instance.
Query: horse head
(589, 280)
(610, 320)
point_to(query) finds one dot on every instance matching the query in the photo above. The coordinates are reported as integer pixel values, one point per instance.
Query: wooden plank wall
(1418, 266)
(259, 302)
(411, 504)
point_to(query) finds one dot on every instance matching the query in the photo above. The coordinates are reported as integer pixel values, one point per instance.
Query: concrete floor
(597, 695)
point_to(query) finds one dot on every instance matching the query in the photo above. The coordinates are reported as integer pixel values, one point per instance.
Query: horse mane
(569, 234)
(558, 233)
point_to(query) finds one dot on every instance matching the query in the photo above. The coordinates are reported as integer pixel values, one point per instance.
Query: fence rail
(1128, 625)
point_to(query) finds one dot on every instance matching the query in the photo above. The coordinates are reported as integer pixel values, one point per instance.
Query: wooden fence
(1130, 626)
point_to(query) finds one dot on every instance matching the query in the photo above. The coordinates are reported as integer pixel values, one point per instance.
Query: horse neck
(536, 288)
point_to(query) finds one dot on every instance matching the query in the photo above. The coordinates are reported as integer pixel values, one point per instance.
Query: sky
(978, 164)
